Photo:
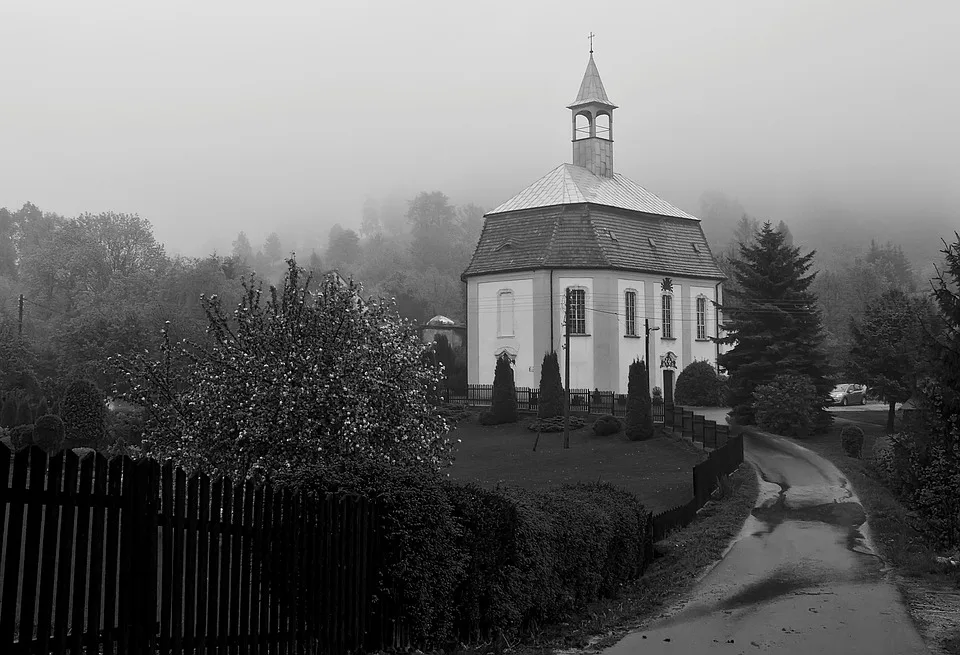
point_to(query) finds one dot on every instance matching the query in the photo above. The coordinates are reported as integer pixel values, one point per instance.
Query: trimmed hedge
(473, 563)
(851, 440)
(607, 425)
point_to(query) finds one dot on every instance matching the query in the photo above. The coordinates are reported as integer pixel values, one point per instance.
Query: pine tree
(773, 323)
(43, 408)
(551, 388)
(503, 405)
(639, 423)
(24, 413)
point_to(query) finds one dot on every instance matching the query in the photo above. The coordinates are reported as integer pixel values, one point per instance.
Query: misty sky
(208, 117)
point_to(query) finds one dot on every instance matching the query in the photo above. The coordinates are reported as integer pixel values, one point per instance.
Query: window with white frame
(701, 317)
(630, 312)
(666, 316)
(505, 313)
(577, 311)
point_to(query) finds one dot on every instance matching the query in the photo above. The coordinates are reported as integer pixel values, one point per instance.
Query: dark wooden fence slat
(213, 572)
(245, 626)
(166, 559)
(276, 565)
(256, 562)
(176, 528)
(81, 561)
(204, 538)
(129, 534)
(226, 516)
(146, 560)
(71, 470)
(190, 567)
(11, 575)
(235, 565)
(323, 564)
(48, 560)
(112, 557)
(267, 583)
(293, 571)
(31, 559)
(6, 457)
(95, 596)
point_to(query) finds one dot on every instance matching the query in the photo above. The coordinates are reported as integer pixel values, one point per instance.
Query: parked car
(849, 394)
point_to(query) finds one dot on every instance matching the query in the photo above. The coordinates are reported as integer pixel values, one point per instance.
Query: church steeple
(592, 114)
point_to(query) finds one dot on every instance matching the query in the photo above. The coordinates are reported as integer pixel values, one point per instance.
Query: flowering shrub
(306, 376)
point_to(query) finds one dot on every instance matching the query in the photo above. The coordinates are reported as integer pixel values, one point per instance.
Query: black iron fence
(582, 401)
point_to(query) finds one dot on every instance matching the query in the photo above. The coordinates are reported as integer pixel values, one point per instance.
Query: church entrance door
(668, 386)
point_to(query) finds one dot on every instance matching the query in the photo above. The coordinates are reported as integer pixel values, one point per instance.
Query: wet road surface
(801, 578)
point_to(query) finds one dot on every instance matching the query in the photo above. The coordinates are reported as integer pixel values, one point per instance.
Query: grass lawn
(929, 589)
(659, 471)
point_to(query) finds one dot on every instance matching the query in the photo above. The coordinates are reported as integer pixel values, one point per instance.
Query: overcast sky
(208, 117)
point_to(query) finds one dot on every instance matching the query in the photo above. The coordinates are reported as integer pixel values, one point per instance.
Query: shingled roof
(585, 235)
(568, 184)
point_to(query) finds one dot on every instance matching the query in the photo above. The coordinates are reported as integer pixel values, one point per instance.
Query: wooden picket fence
(122, 556)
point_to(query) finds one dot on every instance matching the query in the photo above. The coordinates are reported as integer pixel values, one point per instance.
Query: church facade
(631, 264)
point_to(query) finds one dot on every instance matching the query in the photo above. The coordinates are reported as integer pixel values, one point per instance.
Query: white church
(628, 258)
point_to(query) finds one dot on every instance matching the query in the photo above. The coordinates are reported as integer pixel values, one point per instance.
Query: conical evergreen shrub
(639, 423)
(503, 406)
(8, 412)
(24, 413)
(551, 388)
(84, 415)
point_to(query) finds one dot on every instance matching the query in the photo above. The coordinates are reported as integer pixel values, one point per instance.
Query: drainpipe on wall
(551, 310)
(716, 297)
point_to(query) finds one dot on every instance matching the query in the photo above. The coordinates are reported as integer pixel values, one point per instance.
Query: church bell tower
(592, 114)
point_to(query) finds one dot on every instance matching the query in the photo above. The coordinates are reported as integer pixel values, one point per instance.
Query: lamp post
(647, 330)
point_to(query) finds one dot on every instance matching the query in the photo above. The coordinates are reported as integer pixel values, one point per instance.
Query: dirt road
(801, 578)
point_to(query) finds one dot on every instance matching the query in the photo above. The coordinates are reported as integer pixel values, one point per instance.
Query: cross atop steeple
(590, 36)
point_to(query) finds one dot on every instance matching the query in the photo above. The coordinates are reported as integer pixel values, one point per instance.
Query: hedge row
(471, 563)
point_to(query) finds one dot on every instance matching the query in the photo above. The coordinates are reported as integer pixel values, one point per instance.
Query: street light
(647, 330)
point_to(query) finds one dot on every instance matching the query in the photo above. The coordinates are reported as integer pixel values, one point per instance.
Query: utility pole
(646, 347)
(566, 383)
(20, 321)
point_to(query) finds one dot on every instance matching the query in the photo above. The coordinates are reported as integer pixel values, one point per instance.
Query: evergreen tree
(639, 423)
(503, 405)
(551, 388)
(772, 324)
(43, 408)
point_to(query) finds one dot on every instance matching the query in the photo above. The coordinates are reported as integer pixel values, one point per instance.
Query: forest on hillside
(101, 285)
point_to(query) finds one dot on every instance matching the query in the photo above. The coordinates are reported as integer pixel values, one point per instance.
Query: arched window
(581, 126)
(505, 313)
(577, 311)
(630, 312)
(666, 315)
(701, 317)
(603, 126)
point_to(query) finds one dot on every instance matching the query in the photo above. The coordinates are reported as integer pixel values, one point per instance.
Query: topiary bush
(552, 396)
(84, 415)
(639, 423)
(788, 405)
(21, 436)
(851, 440)
(607, 425)
(503, 405)
(48, 433)
(698, 385)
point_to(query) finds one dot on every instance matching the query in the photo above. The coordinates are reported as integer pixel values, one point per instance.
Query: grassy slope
(659, 471)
